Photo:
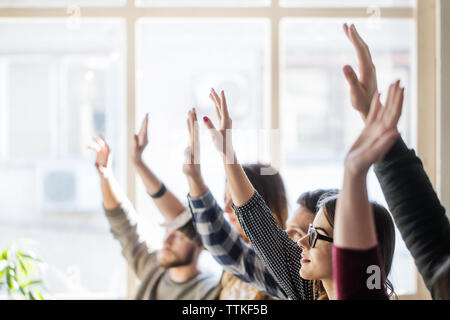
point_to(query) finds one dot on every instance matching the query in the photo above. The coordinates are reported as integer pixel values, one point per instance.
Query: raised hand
(380, 132)
(140, 142)
(362, 89)
(103, 160)
(222, 136)
(191, 167)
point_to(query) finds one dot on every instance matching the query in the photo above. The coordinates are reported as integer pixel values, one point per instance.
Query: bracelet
(160, 192)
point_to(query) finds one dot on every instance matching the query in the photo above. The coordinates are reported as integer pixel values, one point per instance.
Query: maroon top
(354, 279)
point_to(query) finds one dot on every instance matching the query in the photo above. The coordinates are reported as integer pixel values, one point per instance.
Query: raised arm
(166, 202)
(120, 213)
(279, 253)
(240, 187)
(415, 206)
(354, 224)
(221, 240)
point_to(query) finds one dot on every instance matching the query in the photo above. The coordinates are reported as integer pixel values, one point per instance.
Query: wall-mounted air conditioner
(67, 186)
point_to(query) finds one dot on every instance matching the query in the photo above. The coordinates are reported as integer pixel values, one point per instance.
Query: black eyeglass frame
(313, 235)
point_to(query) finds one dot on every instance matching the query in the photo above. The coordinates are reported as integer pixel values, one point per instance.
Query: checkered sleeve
(228, 249)
(280, 254)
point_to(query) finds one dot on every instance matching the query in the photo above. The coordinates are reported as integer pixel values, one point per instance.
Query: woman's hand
(379, 134)
(140, 142)
(362, 89)
(103, 160)
(222, 136)
(191, 167)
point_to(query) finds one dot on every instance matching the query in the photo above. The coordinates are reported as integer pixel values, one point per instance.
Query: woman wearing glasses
(290, 263)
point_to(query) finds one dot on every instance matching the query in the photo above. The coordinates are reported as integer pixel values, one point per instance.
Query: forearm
(168, 204)
(197, 186)
(415, 206)
(354, 224)
(112, 194)
(240, 187)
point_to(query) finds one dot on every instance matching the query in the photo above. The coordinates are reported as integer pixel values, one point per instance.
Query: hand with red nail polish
(221, 136)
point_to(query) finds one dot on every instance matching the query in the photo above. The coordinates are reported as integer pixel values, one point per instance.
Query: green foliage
(19, 274)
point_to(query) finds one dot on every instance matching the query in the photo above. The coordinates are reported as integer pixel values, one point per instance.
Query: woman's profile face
(317, 261)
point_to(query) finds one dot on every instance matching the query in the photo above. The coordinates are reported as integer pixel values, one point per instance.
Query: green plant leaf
(2, 272)
(31, 283)
(4, 255)
(22, 266)
(30, 294)
(39, 294)
(28, 256)
(22, 291)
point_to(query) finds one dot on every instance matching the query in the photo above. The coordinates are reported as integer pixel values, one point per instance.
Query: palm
(380, 131)
(222, 136)
(140, 141)
(363, 88)
(103, 154)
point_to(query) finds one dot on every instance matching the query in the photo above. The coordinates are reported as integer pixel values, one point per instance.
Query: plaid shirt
(280, 254)
(226, 246)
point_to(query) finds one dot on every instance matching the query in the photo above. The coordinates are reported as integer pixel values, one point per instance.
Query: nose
(169, 238)
(303, 242)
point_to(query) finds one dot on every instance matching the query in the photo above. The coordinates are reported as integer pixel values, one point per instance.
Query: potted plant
(20, 274)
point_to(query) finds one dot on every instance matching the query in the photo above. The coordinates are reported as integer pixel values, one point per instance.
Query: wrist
(195, 179)
(229, 157)
(137, 162)
(353, 171)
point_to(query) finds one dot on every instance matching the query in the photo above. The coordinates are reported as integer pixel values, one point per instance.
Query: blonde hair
(319, 292)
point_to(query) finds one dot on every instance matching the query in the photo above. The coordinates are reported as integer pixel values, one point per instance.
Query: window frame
(424, 16)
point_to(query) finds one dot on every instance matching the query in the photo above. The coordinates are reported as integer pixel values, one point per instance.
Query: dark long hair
(271, 188)
(384, 229)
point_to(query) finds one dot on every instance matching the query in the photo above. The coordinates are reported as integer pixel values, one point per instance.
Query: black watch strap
(160, 192)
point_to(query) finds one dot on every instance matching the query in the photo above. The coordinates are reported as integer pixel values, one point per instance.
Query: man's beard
(174, 261)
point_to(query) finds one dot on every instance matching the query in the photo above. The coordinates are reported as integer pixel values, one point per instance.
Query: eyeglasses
(314, 235)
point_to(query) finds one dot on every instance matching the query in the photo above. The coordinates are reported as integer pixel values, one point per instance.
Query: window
(178, 62)
(69, 71)
(318, 123)
(61, 86)
(348, 3)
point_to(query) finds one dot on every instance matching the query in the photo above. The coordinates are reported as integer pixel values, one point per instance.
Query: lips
(304, 260)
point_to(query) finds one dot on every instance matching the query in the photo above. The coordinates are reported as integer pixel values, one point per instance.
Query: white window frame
(424, 16)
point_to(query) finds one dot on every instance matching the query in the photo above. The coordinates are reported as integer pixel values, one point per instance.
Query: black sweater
(417, 211)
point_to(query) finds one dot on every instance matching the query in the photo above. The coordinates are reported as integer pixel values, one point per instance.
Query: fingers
(395, 106)
(136, 140)
(375, 108)
(94, 146)
(351, 76)
(213, 95)
(209, 123)
(224, 105)
(389, 100)
(383, 144)
(362, 51)
(144, 125)
(354, 33)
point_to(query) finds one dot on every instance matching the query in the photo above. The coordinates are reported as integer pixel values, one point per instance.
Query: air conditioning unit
(67, 186)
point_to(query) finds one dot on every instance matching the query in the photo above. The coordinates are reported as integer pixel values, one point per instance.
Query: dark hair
(310, 199)
(384, 227)
(271, 188)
